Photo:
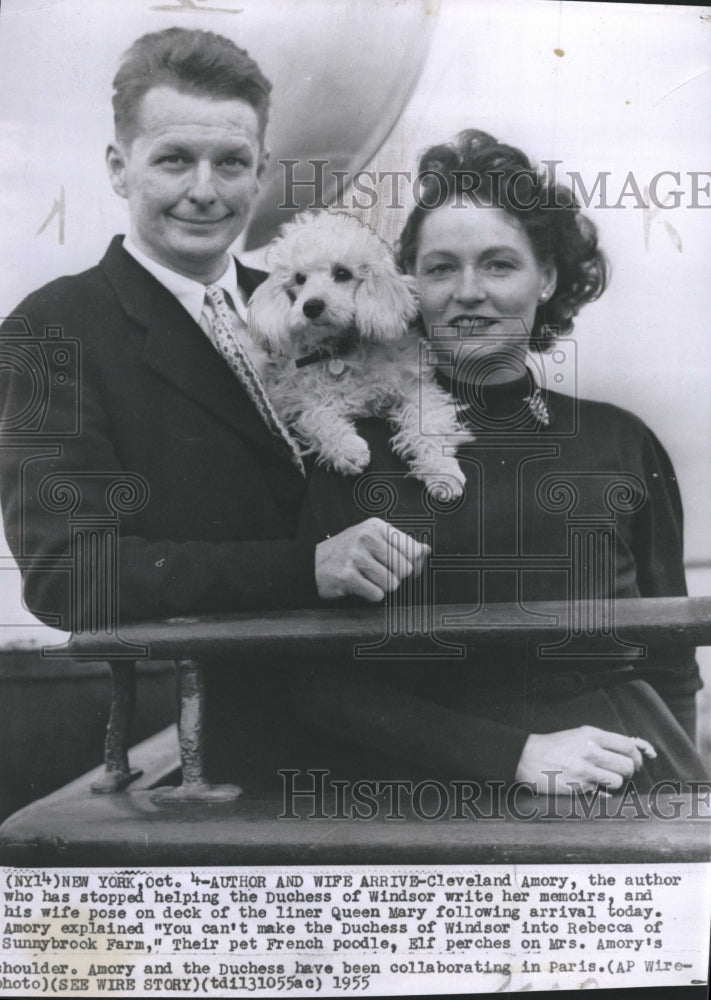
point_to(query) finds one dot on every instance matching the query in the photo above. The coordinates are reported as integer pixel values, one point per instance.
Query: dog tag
(336, 366)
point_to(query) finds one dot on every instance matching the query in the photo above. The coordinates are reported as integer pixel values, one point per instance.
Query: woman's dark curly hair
(476, 167)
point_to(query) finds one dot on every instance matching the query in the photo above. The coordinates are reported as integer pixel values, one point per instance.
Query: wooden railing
(173, 815)
(452, 632)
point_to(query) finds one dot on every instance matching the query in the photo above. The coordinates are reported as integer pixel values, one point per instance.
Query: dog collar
(320, 354)
(333, 355)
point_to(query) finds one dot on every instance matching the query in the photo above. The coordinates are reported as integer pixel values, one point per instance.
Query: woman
(565, 499)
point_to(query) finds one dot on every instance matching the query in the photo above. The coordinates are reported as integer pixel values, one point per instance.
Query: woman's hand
(367, 560)
(587, 756)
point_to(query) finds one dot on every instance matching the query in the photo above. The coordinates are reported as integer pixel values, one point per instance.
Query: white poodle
(334, 317)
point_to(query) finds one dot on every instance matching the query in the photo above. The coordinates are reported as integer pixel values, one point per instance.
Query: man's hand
(586, 755)
(367, 560)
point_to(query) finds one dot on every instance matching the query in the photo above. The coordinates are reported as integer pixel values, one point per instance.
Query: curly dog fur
(336, 297)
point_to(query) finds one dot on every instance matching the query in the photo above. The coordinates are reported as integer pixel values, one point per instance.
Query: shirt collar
(190, 293)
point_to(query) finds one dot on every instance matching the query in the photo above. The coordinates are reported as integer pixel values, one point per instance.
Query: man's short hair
(193, 62)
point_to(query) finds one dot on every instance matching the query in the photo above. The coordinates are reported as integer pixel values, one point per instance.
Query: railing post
(117, 773)
(191, 734)
(94, 595)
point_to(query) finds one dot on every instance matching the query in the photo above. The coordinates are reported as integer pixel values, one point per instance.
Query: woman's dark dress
(531, 491)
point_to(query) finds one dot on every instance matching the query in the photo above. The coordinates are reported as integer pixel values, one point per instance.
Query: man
(168, 390)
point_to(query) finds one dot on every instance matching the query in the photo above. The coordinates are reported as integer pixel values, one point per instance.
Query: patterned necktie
(222, 325)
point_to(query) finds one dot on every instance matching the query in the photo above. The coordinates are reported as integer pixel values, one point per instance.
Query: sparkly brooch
(538, 408)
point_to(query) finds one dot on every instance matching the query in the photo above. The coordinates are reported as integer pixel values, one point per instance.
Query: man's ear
(116, 166)
(264, 158)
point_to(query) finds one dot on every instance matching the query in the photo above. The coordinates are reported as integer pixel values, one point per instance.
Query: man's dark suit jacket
(217, 531)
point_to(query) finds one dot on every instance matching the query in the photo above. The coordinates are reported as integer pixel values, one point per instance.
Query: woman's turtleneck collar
(487, 404)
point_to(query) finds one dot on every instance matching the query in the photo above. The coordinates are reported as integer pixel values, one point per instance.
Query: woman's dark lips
(473, 322)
